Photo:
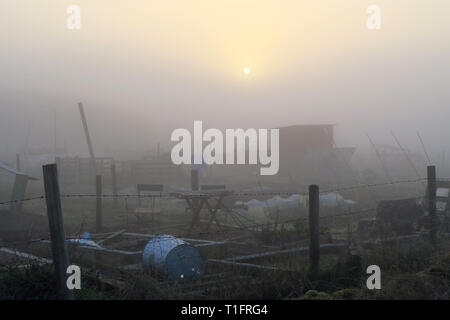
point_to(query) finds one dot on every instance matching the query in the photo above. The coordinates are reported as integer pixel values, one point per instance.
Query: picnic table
(196, 200)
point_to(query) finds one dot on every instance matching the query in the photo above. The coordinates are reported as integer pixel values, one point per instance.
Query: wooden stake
(114, 183)
(431, 179)
(20, 186)
(194, 180)
(99, 205)
(314, 246)
(56, 226)
(195, 186)
(58, 166)
(18, 162)
(88, 137)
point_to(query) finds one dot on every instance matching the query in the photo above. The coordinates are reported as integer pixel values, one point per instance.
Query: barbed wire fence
(236, 216)
(239, 218)
(235, 193)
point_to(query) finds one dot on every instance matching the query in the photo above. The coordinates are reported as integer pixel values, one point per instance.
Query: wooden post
(314, 245)
(20, 186)
(126, 213)
(88, 137)
(114, 183)
(194, 180)
(58, 162)
(431, 178)
(58, 166)
(56, 226)
(98, 220)
(195, 186)
(18, 162)
(78, 171)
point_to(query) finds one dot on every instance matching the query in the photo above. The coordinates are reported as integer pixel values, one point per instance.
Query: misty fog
(144, 69)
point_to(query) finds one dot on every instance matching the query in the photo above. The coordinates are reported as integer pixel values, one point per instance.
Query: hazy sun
(247, 71)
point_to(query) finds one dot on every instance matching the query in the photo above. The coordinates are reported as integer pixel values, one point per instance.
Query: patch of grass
(27, 283)
(38, 283)
(316, 295)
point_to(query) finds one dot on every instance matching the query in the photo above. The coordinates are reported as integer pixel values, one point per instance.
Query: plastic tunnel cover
(184, 262)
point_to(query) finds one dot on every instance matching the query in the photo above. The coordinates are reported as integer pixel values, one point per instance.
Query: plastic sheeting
(332, 199)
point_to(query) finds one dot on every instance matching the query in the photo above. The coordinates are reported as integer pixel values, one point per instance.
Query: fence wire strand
(206, 194)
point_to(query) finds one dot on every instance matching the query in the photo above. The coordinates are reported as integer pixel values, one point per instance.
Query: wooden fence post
(195, 186)
(58, 166)
(19, 189)
(431, 179)
(99, 207)
(194, 180)
(314, 245)
(114, 183)
(56, 226)
(18, 162)
(78, 171)
(88, 137)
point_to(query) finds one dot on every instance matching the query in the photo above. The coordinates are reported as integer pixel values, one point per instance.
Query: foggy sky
(144, 68)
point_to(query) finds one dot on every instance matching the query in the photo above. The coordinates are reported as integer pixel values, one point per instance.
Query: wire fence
(234, 193)
(239, 219)
(240, 224)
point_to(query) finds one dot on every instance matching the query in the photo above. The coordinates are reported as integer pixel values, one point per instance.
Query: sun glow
(247, 71)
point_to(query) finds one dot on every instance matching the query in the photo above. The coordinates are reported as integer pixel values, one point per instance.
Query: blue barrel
(173, 257)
